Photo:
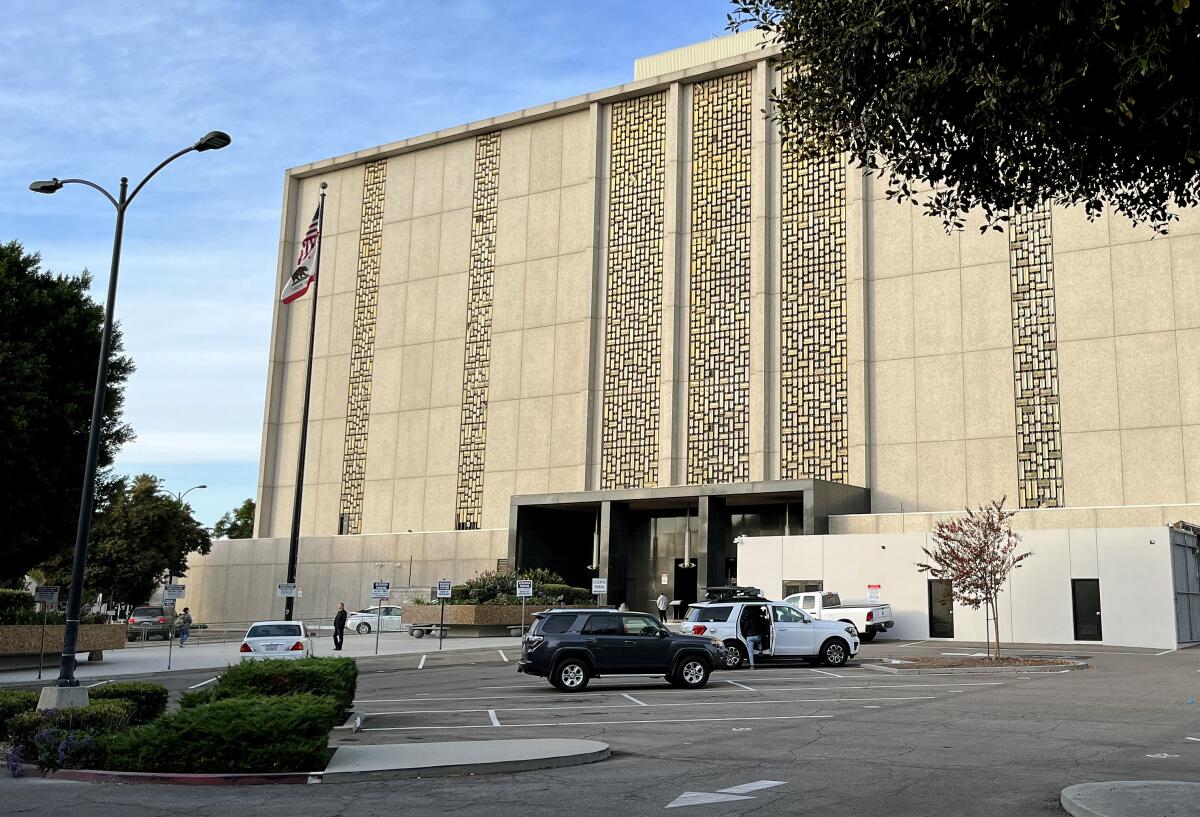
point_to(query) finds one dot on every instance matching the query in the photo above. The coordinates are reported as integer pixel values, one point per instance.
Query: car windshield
(147, 612)
(720, 613)
(274, 631)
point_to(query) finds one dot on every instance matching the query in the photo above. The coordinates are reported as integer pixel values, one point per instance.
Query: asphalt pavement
(785, 739)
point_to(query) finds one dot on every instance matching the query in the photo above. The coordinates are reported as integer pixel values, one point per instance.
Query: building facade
(613, 333)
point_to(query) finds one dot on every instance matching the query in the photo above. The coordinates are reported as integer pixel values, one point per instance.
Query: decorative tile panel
(1035, 360)
(472, 435)
(362, 348)
(719, 315)
(634, 287)
(812, 321)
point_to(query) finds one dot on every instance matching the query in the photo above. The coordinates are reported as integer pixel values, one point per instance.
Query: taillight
(699, 629)
(533, 641)
(245, 647)
(162, 620)
(299, 645)
(870, 615)
(131, 621)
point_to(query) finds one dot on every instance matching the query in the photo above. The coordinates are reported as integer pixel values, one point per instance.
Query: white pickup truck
(867, 617)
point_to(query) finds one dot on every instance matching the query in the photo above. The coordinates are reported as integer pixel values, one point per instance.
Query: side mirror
(663, 634)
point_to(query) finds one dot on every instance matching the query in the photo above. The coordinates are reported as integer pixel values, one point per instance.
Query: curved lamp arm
(152, 173)
(92, 185)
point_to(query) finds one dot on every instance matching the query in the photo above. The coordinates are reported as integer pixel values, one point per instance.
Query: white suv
(793, 633)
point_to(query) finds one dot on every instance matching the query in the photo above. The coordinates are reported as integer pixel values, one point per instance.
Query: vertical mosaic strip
(719, 317)
(472, 434)
(1035, 360)
(362, 348)
(812, 320)
(634, 286)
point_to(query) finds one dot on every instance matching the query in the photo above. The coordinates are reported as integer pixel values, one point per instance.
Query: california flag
(305, 272)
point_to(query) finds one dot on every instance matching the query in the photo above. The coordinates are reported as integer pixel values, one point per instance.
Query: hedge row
(336, 678)
(12, 703)
(149, 700)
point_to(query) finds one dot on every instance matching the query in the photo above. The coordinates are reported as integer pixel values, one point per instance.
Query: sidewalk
(139, 660)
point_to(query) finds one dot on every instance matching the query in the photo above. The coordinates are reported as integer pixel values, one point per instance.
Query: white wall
(1132, 564)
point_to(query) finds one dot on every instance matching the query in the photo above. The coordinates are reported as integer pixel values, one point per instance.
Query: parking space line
(635, 700)
(823, 672)
(98, 684)
(492, 716)
(202, 683)
(502, 655)
(422, 664)
(605, 723)
(912, 644)
(741, 685)
(638, 703)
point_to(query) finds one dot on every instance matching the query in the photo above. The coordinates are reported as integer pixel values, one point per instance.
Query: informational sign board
(443, 589)
(286, 590)
(873, 592)
(381, 590)
(524, 588)
(174, 591)
(46, 594)
(599, 586)
(663, 580)
(169, 603)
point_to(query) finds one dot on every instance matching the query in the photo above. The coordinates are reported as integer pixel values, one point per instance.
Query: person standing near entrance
(339, 627)
(662, 604)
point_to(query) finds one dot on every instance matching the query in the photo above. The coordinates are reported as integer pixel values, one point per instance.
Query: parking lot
(786, 739)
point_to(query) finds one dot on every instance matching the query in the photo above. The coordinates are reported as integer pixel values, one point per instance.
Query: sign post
(599, 588)
(443, 593)
(380, 591)
(524, 591)
(45, 595)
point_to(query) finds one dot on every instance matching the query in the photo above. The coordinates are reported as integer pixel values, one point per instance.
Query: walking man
(185, 625)
(662, 604)
(339, 627)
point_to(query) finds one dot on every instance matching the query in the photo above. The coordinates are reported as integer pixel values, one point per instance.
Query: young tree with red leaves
(975, 553)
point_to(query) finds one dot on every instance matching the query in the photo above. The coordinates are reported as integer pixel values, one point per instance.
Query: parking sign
(599, 586)
(46, 594)
(524, 588)
(174, 591)
(443, 589)
(286, 590)
(381, 590)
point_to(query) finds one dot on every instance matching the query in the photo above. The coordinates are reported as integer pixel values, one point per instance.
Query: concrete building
(619, 331)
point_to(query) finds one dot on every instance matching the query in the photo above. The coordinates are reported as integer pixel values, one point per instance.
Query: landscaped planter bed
(26, 639)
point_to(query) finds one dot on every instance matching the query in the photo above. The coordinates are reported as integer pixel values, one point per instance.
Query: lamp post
(63, 693)
(178, 497)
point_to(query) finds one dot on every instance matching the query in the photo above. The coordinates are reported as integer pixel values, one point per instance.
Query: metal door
(941, 609)
(1185, 562)
(1085, 598)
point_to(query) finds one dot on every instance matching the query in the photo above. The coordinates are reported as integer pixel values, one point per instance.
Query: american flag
(305, 273)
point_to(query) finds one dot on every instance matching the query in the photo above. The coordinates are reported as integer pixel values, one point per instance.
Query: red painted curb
(169, 778)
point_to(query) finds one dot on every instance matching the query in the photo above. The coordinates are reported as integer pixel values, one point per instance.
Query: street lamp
(179, 497)
(66, 691)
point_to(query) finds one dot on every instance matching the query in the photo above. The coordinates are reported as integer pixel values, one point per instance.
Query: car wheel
(734, 655)
(363, 628)
(571, 675)
(416, 632)
(834, 652)
(867, 636)
(692, 673)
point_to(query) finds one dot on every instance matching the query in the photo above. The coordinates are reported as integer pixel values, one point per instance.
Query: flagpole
(294, 541)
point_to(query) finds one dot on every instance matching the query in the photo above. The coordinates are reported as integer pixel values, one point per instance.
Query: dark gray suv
(570, 647)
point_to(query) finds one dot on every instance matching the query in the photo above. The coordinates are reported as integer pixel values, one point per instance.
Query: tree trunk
(996, 619)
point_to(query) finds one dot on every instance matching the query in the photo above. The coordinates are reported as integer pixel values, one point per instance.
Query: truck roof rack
(733, 594)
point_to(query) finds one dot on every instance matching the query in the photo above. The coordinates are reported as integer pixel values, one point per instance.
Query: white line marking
(492, 716)
(422, 664)
(638, 703)
(605, 723)
(746, 788)
(1164, 652)
(912, 644)
(743, 686)
(872, 706)
(502, 655)
(635, 700)
(202, 683)
(1195, 739)
(823, 672)
(98, 684)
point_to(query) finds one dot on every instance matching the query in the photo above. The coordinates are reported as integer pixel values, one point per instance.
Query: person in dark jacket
(339, 627)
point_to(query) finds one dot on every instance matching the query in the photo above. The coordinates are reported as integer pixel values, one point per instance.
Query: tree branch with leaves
(975, 553)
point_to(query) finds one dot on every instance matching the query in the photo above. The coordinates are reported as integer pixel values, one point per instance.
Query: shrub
(98, 718)
(14, 702)
(53, 617)
(198, 698)
(235, 735)
(14, 602)
(149, 700)
(335, 677)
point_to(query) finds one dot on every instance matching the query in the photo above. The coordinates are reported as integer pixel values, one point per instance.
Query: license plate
(271, 647)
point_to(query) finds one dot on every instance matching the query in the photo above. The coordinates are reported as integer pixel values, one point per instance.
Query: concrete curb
(358, 764)
(169, 778)
(892, 670)
(1130, 798)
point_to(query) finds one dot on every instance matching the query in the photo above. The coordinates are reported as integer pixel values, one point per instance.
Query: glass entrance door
(1085, 595)
(941, 609)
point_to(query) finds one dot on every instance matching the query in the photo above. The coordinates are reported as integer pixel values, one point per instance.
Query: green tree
(49, 345)
(999, 105)
(237, 524)
(140, 536)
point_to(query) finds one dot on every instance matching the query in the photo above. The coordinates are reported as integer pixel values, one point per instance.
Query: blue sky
(100, 90)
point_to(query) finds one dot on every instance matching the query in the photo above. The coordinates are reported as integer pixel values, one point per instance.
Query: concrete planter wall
(472, 615)
(26, 639)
